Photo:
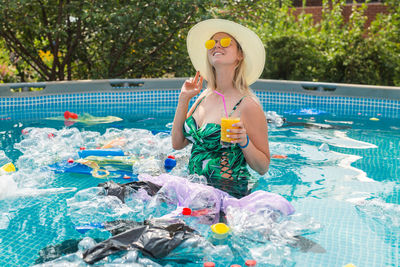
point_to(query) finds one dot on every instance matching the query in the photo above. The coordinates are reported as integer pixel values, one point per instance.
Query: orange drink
(226, 123)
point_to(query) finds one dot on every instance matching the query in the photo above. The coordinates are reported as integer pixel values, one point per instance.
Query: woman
(230, 57)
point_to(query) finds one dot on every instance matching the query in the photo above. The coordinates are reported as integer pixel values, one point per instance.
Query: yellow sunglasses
(225, 42)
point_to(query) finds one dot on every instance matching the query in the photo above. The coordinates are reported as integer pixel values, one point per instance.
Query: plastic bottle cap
(126, 177)
(235, 265)
(220, 228)
(171, 157)
(82, 148)
(169, 164)
(50, 135)
(279, 156)
(209, 264)
(9, 167)
(70, 160)
(250, 263)
(186, 211)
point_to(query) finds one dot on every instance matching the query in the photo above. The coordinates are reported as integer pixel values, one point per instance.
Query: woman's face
(219, 55)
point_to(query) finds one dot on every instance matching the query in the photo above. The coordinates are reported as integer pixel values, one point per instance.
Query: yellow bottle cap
(350, 265)
(9, 167)
(220, 228)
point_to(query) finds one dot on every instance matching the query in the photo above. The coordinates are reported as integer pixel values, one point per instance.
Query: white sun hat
(253, 48)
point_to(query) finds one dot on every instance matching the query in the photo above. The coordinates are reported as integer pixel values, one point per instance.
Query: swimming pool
(339, 169)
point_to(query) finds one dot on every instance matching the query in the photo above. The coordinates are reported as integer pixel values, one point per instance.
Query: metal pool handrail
(118, 85)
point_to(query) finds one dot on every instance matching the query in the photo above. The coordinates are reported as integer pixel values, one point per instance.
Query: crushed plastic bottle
(324, 147)
(274, 118)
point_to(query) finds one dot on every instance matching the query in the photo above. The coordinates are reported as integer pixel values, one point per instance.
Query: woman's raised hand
(191, 87)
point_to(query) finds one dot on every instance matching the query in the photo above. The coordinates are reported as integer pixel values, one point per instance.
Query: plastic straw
(223, 100)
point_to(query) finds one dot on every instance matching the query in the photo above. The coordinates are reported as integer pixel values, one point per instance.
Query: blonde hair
(239, 78)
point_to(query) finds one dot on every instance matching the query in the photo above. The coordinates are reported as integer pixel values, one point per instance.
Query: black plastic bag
(122, 190)
(155, 238)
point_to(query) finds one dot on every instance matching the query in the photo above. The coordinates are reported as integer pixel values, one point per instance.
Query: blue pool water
(343, 180)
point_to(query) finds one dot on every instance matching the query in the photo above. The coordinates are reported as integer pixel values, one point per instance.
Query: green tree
(71, 39)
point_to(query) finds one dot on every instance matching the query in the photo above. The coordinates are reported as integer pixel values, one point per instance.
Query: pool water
(340, 173)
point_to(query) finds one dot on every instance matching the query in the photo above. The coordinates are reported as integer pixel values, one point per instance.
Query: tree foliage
(71, 39)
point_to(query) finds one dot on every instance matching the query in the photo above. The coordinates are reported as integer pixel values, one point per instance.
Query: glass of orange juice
(226, 123)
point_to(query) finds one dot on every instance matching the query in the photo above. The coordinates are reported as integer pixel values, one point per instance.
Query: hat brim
(253, 48)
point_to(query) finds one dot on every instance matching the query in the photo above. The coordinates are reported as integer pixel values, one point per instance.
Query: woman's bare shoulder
(251, 105)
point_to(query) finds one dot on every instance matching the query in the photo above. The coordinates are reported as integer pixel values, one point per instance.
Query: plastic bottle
(169, 163)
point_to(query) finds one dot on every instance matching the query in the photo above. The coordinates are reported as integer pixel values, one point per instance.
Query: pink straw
(223, 100)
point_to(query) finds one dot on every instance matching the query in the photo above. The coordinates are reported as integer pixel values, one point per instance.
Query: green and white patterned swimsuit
(224, 167)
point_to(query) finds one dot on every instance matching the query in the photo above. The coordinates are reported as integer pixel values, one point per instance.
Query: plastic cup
(226, 123)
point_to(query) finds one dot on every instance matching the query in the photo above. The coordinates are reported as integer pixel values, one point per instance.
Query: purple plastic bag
(199, 196)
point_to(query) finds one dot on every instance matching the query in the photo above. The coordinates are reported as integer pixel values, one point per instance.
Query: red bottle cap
(186, 211)
(50, 135)
(236, 265)
(82, 148)
(126, 177)
(250, 263)
(70, 160)
(71, 115)
(209, 264)
(24, 131)
(171, 157)
(66, 115)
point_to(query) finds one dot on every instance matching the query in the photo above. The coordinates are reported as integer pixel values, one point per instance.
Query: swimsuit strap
(197, 105)
(237, 104)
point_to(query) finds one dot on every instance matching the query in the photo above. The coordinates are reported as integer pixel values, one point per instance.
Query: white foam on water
(336, 138)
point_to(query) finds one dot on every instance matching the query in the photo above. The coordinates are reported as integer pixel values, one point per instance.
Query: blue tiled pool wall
(163, 103)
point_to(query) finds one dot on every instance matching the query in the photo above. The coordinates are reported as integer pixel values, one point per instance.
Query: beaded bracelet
(248, 141)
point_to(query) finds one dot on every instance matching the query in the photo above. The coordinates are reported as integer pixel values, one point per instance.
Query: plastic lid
(209, 264)
(250, 263)
(171, 157)
(186, 211)
(220, 228)
(9, 167)
(235, 265)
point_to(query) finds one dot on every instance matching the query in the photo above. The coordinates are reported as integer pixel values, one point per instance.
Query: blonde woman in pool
(230, 57)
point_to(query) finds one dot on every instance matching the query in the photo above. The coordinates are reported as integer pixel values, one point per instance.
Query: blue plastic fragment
(101, 152)
(169, 164)
(87, 227)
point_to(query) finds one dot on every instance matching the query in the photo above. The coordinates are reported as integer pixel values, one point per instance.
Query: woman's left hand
(239, 135)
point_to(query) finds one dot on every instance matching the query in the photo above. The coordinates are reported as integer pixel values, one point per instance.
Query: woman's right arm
(190, 88)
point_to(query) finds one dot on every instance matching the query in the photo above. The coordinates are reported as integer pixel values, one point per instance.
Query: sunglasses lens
(225, 42)
(210, 44)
